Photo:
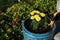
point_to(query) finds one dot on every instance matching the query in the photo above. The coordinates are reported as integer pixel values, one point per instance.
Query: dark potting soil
(38, 30)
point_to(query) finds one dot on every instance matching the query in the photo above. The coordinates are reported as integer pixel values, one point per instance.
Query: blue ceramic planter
(32, 36)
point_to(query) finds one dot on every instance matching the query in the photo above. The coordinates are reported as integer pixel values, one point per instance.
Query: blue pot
(33, 36)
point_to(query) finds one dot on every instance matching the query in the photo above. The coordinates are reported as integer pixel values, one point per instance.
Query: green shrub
(48, 6)
(11, 21)
(9, 29)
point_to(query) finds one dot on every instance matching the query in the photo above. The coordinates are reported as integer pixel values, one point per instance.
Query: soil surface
(40, 29)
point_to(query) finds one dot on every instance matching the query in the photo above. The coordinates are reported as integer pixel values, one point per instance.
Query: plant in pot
(39, 26)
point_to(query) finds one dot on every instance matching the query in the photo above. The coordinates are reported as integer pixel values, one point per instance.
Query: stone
(57, 36)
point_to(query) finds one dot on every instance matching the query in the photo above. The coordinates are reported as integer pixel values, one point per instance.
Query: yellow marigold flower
(55, 14)
(35, 11)
(37, 17)
(32, 17)
(32, 13)
(42, 14)
(51, 22)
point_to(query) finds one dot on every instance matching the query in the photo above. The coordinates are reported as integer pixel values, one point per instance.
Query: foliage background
(6, 3)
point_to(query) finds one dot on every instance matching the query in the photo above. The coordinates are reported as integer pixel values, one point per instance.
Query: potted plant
(39, 26)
